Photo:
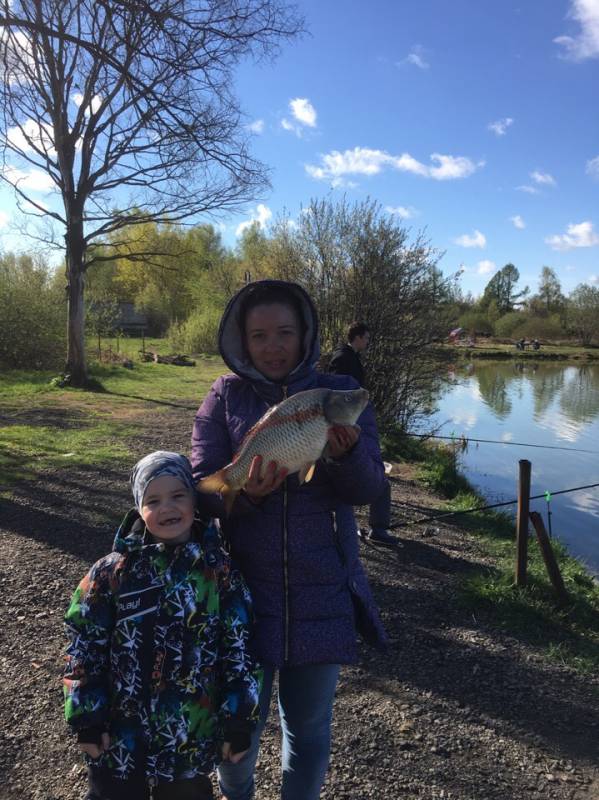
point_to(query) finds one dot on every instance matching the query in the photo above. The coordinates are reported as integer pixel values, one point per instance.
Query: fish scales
(293, 434)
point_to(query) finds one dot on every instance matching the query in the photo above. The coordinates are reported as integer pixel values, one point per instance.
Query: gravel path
(457, 710)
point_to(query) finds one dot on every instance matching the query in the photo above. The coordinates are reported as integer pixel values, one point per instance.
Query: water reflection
(545, 404)
(575, 388)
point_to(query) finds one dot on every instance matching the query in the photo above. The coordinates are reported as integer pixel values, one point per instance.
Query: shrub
(198, 334)
(508, 323)
(476, 322)
(32, 315)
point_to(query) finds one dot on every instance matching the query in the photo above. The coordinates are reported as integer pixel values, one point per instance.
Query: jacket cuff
(91, 735)
(238, 733)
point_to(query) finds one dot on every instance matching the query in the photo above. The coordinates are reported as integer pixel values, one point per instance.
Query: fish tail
(217, 482)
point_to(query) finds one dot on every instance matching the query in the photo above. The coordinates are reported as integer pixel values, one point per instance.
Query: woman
(296, 546)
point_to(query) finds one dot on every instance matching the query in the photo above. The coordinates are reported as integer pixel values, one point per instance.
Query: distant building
(129, 320)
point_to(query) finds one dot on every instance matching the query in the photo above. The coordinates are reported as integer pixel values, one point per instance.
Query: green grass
(567, 633)
(44, 426)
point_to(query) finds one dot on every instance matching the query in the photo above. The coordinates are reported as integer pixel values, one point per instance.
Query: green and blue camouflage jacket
(158, 655)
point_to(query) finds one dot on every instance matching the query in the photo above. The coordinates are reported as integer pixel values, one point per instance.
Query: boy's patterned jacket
(157, 655)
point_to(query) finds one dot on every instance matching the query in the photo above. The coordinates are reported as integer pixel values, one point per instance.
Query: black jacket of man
(345, 361)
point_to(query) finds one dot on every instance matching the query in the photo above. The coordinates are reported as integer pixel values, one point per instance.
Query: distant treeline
(356, 261)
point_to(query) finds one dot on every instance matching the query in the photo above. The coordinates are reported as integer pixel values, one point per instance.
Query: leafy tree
(134, 98)
(549, 298)
(583, 313)
(502, 289)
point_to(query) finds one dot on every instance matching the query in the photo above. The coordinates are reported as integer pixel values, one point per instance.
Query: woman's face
(273, 339)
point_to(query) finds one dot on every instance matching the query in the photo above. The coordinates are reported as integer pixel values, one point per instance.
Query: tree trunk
(76, 365)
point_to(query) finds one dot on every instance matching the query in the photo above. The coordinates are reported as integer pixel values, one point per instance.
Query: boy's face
(168, 510)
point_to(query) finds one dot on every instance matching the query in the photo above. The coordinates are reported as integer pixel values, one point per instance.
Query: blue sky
(476, 121)
(506, 96)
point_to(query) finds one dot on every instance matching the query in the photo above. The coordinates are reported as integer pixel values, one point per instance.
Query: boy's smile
(168, 509)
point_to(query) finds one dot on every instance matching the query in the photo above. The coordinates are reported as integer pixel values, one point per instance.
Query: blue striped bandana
(155, 465)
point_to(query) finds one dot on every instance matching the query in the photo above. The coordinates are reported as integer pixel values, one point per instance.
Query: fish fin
(217, 482)
(306, 473)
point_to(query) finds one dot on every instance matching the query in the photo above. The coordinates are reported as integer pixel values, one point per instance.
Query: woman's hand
(341, 439)
(95, 750)
(233, 758)
(258, 485)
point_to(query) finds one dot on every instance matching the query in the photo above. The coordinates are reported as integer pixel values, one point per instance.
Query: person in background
(296, 544)
(346, 361)
(159, 685)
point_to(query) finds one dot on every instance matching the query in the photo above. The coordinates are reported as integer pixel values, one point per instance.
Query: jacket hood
(230, 335)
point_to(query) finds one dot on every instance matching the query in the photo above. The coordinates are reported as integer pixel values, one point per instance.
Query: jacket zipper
(285, 561)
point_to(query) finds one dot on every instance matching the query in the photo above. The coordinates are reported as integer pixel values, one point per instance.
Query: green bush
(476, 322)
(508, 323)
(32, 315)
(198, 334)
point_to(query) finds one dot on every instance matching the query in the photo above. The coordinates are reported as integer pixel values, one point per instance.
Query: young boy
(159, 686)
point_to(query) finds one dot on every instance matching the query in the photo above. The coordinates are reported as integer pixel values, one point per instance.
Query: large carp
(292, 433)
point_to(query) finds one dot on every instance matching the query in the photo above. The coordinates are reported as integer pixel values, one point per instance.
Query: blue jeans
(306, 696)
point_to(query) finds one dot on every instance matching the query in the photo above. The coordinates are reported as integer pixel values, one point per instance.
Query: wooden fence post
(522, 523)
(548, 556)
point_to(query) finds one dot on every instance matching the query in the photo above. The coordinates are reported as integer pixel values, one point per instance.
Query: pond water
(536, 404)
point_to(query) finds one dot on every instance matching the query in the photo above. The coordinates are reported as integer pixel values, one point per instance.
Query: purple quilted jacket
(298, 550)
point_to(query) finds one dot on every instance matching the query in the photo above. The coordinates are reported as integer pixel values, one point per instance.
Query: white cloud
(366, 161)
(580, 235)
(38, 134)
(257, 126)
(527, 189)
(518, 222)
(485, 267)
(594, 279)
(403, 212)
(416, 57)
(303, 113)
(592, 168)
(542, 178)
(303, 110)
(500, 127)
(96, 102)
(4, 218)
(35, 180)
(586, 43)
(260, 215)
(477, 239)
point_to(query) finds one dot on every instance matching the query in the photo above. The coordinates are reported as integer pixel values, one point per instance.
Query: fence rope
(461, 438)
(445, 515)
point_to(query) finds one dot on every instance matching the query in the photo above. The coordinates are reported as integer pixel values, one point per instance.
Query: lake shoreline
(509, 352)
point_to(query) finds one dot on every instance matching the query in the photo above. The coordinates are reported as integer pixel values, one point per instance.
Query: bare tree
(358, 263)
(126, 108)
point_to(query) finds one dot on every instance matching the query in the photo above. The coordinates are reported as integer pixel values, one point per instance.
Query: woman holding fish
(277, 451)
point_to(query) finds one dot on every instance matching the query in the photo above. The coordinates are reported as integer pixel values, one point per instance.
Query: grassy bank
(43, 426)
(569, 633)
(488, 349)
